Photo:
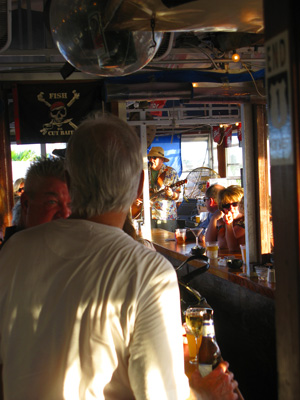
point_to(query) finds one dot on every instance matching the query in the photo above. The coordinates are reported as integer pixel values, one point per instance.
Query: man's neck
(116, 219)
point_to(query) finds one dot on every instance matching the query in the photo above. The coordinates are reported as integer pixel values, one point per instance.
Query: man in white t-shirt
(86, 311)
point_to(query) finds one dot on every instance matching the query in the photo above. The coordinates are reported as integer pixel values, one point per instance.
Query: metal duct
(198, 15)
(148, 91)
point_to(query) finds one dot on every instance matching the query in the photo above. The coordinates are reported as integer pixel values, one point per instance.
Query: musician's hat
(157, 152)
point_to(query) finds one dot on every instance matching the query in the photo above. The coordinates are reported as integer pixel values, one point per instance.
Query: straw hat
(157, 152)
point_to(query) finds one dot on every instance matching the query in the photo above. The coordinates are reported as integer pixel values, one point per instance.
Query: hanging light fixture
(81, 31)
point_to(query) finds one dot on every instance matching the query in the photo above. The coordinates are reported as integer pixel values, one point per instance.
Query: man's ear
(212, 202)
(68, 179)
(141, 184)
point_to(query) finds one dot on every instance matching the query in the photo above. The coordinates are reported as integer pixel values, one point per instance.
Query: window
(234, 162)
(194, 153)
(23, 154)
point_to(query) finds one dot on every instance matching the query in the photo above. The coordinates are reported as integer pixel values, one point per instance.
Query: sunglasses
(152, 158)
(21, 190)
(228, 205)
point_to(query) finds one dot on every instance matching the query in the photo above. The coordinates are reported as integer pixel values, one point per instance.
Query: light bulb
(235, 57)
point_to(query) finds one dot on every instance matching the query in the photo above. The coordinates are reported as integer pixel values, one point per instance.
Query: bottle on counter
(209, 355)
(271, 274)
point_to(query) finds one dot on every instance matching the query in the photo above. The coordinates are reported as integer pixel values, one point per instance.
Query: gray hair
(104, 162)
(43, 168)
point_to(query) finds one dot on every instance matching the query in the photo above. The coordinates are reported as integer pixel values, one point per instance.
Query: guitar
(137, 209)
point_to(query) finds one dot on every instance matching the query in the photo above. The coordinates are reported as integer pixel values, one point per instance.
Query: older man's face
(51, 201)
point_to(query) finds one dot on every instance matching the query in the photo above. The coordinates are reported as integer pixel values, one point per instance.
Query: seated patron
(227, 224)
(18, 188)
(211, 203)
(45, 196)
(129, 228)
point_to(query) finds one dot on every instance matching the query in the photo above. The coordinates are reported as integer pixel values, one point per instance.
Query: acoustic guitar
(137, 209)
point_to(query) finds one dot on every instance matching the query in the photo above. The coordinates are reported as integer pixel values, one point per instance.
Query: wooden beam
(249, 181)
(263, 197)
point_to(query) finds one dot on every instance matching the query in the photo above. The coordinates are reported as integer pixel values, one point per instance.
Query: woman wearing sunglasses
(227, 226)
(18, 188)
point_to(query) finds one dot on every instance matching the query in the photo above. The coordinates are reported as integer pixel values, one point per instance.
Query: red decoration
(216, 134)
(228, 136)
(157, 104)
(239, 131)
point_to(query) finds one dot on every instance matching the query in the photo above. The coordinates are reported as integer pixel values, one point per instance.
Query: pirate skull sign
(58, 112)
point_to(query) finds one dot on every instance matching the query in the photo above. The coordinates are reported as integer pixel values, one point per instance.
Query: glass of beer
(180, 235)
(191, 341)
(212, 249)
(194, 322)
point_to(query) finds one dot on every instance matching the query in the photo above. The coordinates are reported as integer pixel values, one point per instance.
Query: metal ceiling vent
(5, 24)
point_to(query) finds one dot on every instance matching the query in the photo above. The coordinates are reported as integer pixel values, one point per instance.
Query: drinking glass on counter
(212, 249)
(194, 323)
(180, 236)
(243, 251)
(196, 233)
(201, 216)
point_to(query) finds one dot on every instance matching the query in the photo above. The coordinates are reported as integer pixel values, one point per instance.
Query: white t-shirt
(86, 312)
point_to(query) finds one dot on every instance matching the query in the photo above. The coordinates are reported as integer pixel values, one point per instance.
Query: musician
(161, 176)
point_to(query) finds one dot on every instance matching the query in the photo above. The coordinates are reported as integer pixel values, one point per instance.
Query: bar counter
(244, 314)
(165, 244)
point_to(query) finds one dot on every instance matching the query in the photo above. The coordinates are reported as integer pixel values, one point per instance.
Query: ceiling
(200, 35)
(193, 62)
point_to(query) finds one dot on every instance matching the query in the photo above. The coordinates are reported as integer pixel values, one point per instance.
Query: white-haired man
(87, 311)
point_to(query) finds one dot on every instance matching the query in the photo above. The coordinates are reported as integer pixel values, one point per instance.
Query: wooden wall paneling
(6, 179)
(282, 49)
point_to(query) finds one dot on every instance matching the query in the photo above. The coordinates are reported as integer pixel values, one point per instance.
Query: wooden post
(263, 196)
(282, 47)
(6, 179)
(249, 174)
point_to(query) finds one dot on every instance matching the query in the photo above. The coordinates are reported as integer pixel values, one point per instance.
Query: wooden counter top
(165, 244)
